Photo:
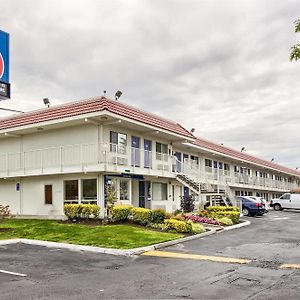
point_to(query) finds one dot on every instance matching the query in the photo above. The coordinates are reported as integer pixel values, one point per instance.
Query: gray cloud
(219, 66)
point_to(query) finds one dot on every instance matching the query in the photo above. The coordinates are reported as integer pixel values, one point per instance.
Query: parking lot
(34, 272)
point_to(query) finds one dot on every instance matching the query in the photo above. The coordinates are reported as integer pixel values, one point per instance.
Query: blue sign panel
(4, 57)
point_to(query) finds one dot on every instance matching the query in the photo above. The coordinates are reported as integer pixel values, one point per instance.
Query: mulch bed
(5, 229)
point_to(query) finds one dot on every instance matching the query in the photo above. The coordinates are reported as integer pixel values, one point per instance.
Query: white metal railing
(59, 158)
(82, 155)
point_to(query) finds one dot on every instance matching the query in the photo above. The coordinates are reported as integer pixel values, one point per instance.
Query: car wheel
(277, 206)
(246, 211)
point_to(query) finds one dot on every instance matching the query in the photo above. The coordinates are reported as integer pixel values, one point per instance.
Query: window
(226, 169)
(208, 163)
(118, 142)
(89, 191)
(161, 151)
(71, 191)
(286, 196)
(124, 189)
(159, 191)
(195, 159)
(48, 194)
(236, 169)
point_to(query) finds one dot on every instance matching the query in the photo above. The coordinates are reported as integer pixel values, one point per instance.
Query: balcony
(245, 180)
(107, 157)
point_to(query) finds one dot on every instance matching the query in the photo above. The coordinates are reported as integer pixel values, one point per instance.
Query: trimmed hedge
(225, 221)
(178, 226)
(197, 228)
(221, 208)
(233, 215)
(141, 215)
(120, 213)
(81, 211)
(157, 216)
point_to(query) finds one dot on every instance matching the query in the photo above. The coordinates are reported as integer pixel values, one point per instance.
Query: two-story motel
(73, 152)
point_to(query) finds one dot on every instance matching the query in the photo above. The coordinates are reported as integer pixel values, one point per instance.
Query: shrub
(81, 211)
(159, 226)
(198, 219)
(187, 203)
(141, 215)
(221, 208)
(197, 228)
(233, 215)
(178, 226)
(225, 221)
(157, 216)
(120, 213)
(4, 211)
(177, 212)
(178, 217)
(203, 213)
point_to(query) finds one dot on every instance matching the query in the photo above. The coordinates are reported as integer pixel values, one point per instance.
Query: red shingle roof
(90, 106)
(243, 156)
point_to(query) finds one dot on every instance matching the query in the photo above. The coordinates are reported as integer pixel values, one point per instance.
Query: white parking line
(13, 273)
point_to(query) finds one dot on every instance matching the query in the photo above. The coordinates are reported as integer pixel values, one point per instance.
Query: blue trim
(4, 50)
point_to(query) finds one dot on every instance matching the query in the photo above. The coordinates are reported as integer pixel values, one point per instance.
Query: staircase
(215, 198)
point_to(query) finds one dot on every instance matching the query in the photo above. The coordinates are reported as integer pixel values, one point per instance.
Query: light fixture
(243, 149)
(46, 102)
(118, 94)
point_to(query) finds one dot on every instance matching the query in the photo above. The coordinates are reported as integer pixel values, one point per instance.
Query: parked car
(251, 207)
(287, 200)
(263, 201)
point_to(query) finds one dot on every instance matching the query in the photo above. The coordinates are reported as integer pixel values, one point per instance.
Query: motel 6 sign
(4, 66)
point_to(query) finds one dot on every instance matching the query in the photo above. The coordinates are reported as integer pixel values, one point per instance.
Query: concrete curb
(136, 251)
(244, 223)
(129, 252)
(8, 242)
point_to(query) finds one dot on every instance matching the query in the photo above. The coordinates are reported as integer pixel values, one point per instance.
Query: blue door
(186, 191)
(135, 151)
(147, 154)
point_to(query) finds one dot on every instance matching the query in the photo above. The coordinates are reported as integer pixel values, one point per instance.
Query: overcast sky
(220, 66)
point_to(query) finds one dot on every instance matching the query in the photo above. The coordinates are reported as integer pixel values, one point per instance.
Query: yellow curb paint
(197, 257)
(290, 266)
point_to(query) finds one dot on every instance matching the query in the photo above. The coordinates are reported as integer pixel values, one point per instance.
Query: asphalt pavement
(35, 272)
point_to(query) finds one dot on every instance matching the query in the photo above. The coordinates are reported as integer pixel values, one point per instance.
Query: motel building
(73, 153)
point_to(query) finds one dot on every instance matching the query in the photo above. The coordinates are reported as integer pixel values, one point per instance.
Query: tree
(295, 50)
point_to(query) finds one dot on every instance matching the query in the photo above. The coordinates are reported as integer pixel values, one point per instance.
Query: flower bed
(198, 219)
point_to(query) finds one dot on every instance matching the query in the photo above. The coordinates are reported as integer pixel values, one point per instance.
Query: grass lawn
(111, 236)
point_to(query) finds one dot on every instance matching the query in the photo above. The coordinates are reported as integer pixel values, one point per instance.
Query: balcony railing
(119, 158)
(82, 157)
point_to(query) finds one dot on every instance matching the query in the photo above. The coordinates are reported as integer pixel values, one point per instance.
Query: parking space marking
(290, 266)
(13, 273)
(197, 257)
